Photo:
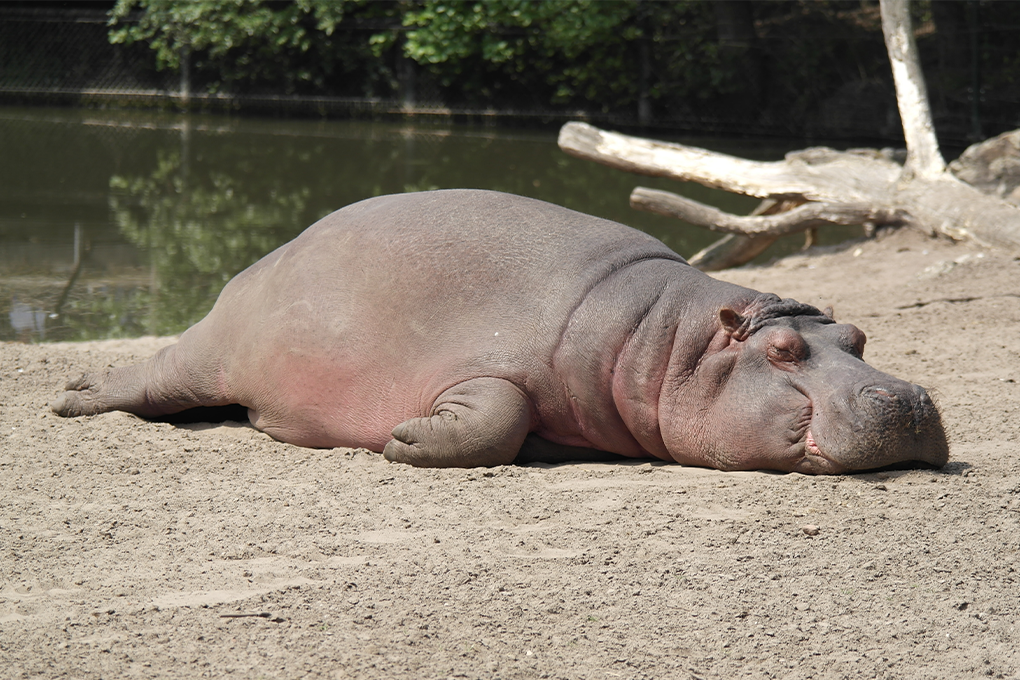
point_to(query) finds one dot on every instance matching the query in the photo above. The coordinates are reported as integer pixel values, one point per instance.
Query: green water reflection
(119, 224)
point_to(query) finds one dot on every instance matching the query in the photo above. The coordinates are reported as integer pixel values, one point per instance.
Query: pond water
(126, 223)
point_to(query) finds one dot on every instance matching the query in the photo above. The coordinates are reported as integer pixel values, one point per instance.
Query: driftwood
(817, 186)
(734, 250)
(804, 216)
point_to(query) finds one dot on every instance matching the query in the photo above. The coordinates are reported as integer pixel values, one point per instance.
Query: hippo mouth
(811, 460)
(810, 446)
(814, 460)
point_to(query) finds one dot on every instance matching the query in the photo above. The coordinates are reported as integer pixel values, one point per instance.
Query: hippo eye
(787, 347)
(778, 354)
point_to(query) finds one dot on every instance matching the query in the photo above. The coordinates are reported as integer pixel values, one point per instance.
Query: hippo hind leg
(162, 385)
(477, 423)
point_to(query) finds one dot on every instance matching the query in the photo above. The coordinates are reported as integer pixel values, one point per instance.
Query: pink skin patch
(810, 446)
(814, 461)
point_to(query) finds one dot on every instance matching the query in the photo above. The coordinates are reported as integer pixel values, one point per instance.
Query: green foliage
(236, 42)
(220, 26)
(575, 53)
(499, 31)
(538, 52)
(802, 65)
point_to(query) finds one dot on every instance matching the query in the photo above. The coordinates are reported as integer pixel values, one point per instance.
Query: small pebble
(810, 529)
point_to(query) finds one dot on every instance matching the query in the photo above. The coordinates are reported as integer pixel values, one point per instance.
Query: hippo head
(784, 387)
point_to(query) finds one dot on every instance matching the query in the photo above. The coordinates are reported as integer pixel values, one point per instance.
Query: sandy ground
(130, 548)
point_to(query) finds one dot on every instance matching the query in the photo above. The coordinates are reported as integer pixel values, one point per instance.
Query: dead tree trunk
(818, 186)
(923, 156)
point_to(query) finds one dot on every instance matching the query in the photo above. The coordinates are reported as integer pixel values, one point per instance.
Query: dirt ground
(130, 548)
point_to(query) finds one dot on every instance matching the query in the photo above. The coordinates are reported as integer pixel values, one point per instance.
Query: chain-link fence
(62, 55)
(804, 73)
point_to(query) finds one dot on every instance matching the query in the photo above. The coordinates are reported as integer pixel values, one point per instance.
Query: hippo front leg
(477, 423)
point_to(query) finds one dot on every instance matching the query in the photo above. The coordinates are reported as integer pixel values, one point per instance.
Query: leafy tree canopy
(219, 26)
(552, 51)
(498, 32)
(802, 65)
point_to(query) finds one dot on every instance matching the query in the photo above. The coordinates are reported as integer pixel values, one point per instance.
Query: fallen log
(803, 217)
(848, 187)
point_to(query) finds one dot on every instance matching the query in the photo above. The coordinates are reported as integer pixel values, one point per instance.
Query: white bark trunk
(923, 156)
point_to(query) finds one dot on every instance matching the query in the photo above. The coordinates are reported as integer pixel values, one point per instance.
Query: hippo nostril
(889, 405)
(879, 394)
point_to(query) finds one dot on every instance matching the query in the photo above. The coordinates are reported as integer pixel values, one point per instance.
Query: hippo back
(385, 303)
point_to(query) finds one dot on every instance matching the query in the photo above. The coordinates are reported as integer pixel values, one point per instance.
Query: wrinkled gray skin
(443, 327)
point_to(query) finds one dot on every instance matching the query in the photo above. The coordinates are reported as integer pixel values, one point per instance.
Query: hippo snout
(889, 423)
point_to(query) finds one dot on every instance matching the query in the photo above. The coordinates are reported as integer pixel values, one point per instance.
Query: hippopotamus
(444, 328)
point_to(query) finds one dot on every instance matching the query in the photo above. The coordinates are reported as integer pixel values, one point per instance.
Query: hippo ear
(734, 324)
(828, 311)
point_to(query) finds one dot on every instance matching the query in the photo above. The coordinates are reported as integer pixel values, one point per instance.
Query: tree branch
(730, 251)
(733, 250)
(852, 187)
(801, 218)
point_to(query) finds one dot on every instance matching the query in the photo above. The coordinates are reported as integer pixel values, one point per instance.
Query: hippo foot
(84, 396)
(114, 389)
(478, 423)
